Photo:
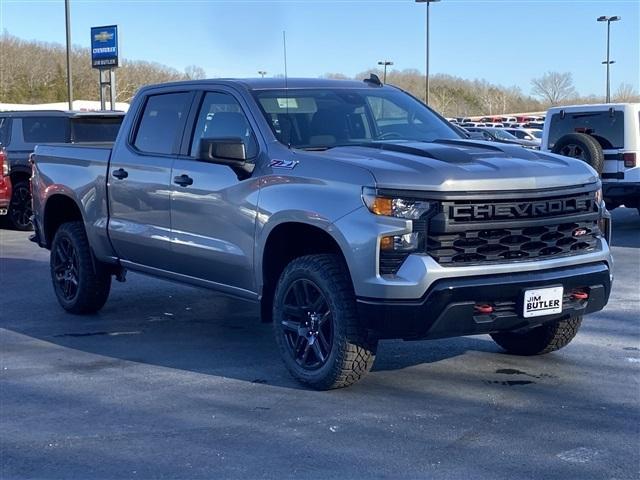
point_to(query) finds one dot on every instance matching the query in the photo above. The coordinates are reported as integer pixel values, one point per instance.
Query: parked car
(21, 131)
(349, 211)
(533, 125)
(500, 135)
(529, 134)
(607, 137)
(5, 183)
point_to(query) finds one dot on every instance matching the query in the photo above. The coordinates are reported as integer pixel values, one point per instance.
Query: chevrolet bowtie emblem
(103, 36)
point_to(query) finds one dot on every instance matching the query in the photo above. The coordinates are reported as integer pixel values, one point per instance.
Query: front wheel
(80, 282)
(317, 329)
(540, 340)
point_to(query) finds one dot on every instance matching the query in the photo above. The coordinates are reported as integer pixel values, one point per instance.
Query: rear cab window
(604, 126)
(95, 129)
(45, 129)
(161, 122)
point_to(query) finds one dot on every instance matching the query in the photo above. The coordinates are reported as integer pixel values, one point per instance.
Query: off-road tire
(353, 350)
(540, 340)
(93, 277)
(19, 214)
(591, 151)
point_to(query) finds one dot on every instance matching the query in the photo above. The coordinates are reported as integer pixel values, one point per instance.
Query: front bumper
(447, 308)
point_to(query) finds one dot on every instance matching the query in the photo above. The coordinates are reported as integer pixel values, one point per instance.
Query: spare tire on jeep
(583, 147)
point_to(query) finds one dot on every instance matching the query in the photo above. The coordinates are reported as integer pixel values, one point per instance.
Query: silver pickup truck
(349, 210)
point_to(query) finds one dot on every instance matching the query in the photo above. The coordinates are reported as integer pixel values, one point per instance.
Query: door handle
(183, 180)
(120, 173)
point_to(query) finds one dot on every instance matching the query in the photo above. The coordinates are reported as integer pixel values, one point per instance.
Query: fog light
(408, 242)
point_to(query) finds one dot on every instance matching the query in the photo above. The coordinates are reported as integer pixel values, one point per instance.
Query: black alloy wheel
(307, 325)
(64, 264)
(20, 207)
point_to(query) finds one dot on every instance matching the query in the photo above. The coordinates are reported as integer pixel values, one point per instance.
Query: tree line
(458, 97)
(35, 72)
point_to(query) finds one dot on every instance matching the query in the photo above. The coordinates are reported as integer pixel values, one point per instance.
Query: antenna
(286, 84)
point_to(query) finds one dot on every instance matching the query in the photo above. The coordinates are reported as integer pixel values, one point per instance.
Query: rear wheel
(540, 340)
(80, 282)
(583, 147)
(316, 325)
(20, 206)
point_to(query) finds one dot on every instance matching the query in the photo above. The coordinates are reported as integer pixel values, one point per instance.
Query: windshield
(330, 117)
(501, 134)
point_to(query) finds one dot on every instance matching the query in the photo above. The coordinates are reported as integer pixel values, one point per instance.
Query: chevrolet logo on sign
(103, 36)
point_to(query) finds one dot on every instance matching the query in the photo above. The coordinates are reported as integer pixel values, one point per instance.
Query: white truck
(606, 136)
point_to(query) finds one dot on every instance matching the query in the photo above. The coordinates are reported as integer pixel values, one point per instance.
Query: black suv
(21, 131)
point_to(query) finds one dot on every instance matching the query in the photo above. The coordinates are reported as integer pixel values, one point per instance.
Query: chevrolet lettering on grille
(542, 208)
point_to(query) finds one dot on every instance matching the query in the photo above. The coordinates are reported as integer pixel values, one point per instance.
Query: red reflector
(483, 309)
(629, 159)
(579, 295)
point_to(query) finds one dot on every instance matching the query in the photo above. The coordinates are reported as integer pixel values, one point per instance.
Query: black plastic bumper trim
(447, 309)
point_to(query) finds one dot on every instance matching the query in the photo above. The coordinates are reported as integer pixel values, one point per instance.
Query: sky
(507, 42)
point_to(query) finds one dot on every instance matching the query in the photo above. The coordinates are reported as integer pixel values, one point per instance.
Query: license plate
(542, 301)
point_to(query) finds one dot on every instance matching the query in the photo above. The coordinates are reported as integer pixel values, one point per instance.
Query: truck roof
(274, 83)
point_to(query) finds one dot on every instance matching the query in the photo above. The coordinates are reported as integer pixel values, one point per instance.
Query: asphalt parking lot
(174, 382)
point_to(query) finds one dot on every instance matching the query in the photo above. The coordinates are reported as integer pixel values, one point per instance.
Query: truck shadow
(159, 323)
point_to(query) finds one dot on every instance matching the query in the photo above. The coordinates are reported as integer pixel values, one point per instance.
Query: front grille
(453, 242)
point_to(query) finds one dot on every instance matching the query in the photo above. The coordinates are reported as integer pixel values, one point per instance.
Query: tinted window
(326, 118)
(606, 128)
(5, 130)
(95, 129)
(45, 129)
(161, 119)
(222, 117)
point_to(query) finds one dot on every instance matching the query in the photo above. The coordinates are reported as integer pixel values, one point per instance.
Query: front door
(213, 210)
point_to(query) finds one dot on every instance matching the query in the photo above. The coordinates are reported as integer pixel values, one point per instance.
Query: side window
(162, 117)
(5, 131)
(221, 116)
(386, 112)
(45, 129)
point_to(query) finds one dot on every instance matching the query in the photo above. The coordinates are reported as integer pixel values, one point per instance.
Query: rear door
(213, 209)
(139, 181)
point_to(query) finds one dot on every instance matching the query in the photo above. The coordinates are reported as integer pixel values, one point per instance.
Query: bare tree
(626, 93)
(553, 87)
(194, 72)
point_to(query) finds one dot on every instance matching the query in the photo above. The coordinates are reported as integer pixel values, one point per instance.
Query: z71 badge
(288, 164)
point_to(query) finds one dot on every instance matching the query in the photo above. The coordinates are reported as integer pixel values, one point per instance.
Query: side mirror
(226, 151)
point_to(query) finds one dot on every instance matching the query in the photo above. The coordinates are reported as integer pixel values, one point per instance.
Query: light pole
(426, 86)
(386, 63)
(262, 73)
(608, 62)
(67, 17)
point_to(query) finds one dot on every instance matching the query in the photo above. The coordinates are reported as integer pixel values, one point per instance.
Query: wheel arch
(283, 243)
(59, 208)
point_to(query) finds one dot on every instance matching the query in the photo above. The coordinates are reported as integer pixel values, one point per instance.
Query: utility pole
(69, 79)
(385, 63)
(426, 86)
(608, 62)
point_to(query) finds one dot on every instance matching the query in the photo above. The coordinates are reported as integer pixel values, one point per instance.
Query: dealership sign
(104, 46)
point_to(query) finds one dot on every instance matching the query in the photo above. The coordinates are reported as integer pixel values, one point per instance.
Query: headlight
(395, 249)
(599, 196)
(395, 206)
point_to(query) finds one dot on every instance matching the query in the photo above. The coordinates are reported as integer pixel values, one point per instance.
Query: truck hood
(463, 165)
